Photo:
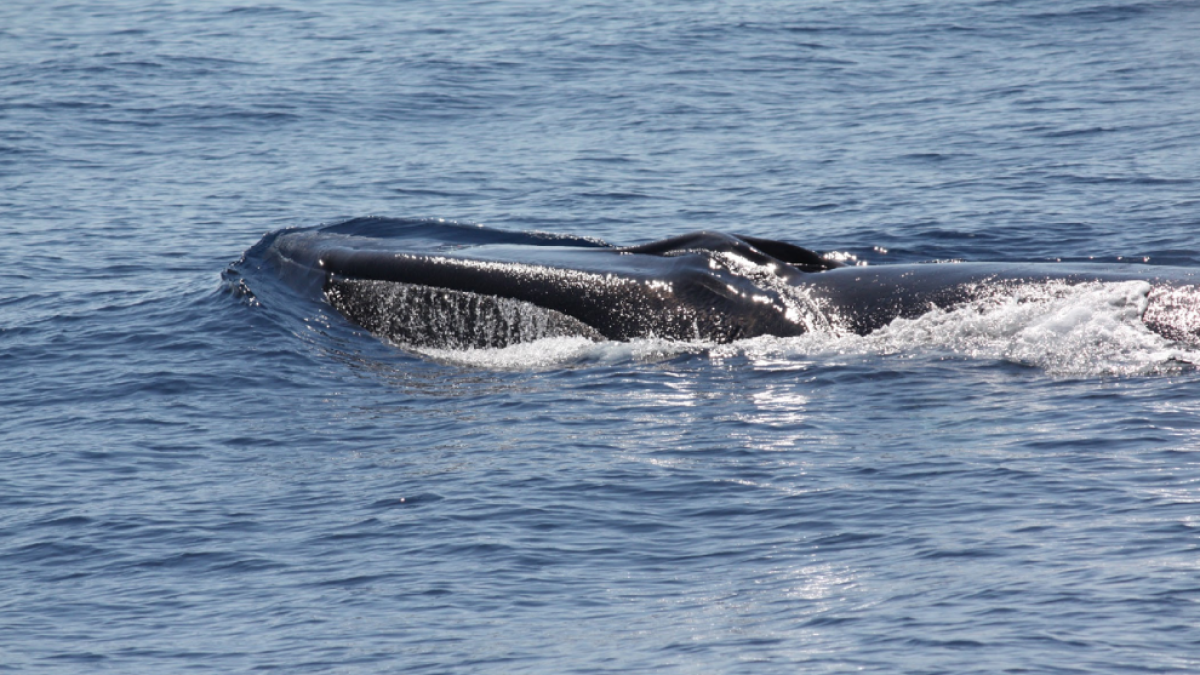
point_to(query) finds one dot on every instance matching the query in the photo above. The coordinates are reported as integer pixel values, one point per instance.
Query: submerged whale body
(435, 284)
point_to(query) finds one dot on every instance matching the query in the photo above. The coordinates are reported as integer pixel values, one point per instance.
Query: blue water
(197, 478)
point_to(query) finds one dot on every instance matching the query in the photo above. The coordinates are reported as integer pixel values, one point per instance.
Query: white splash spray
(1088, 330)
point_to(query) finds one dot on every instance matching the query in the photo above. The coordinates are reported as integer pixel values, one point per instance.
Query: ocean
(203, 472)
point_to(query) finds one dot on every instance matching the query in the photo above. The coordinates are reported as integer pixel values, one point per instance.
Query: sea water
(196, 478)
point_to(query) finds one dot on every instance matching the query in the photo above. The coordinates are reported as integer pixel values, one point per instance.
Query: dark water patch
(271, 10)
(1101, 12)
(54, 553)
(414, 501)
(79, 657)
(65, 521)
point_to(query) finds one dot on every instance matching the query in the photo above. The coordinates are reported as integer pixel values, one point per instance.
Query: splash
(1081, 330)
(559, 352)
(1089, 330)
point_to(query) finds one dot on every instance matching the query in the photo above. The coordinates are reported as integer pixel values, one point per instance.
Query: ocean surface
(198, 478)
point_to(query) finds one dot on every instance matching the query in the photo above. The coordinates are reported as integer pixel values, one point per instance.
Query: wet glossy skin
(703, 286)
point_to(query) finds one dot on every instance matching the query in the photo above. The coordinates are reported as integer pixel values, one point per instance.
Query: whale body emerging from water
(435, 284)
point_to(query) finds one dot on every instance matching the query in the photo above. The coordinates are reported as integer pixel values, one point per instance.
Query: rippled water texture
(197, 478)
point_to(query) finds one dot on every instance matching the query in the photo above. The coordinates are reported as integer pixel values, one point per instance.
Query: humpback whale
(430, 283)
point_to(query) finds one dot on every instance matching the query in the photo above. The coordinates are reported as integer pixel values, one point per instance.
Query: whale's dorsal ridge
(710, 241)
(796, 256)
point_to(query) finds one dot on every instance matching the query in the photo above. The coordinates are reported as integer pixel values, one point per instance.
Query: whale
(451, 285)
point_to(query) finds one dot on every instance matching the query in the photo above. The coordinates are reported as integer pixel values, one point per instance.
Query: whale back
(460, 286)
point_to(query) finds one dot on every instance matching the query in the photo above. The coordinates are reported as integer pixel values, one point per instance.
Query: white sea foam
(562, 351)
(1091, 329)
